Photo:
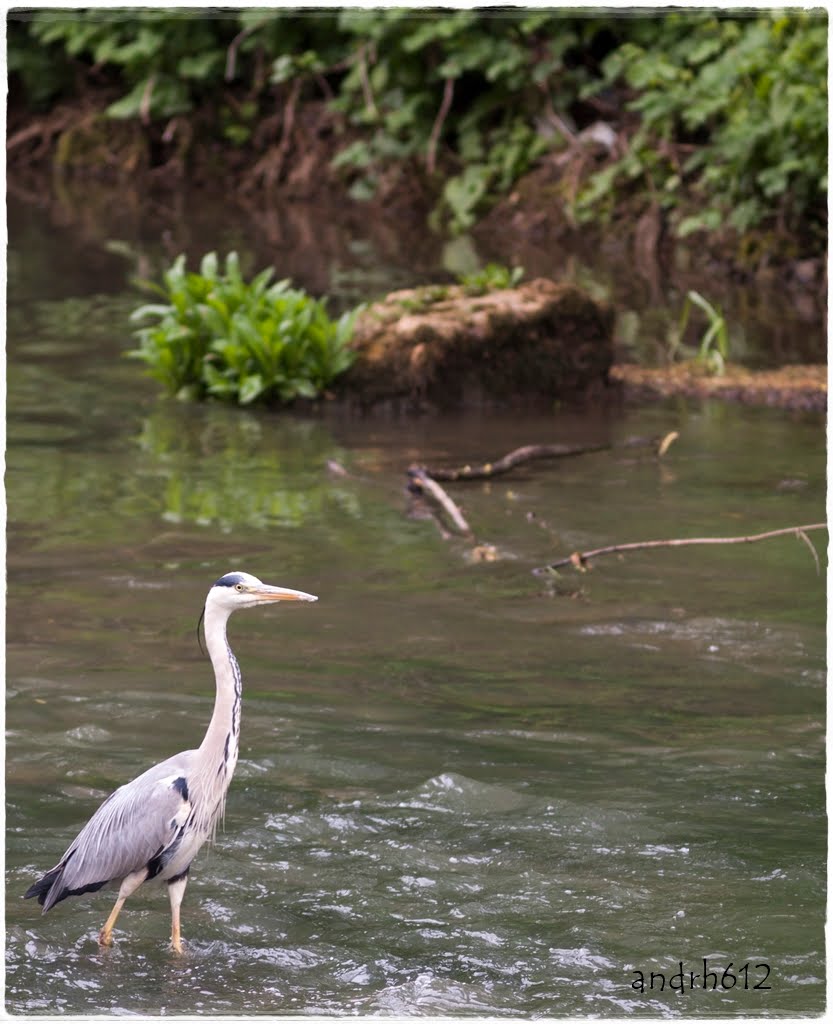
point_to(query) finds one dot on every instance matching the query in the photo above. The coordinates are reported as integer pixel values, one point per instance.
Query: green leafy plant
(732, 120)
(423, 298)
(490, 278)
(713, 349)
(165, 58)
(218, 335)
(456, 89)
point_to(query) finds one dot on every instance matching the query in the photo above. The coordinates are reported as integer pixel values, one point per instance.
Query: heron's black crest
(230, 579)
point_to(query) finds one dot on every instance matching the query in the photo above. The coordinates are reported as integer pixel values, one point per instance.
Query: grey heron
(152, 827)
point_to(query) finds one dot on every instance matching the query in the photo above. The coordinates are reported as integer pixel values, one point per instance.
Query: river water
(463, 789)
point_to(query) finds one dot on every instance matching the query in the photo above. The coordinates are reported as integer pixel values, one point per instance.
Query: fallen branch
(421, 481)
(579, 559)
(543, 451)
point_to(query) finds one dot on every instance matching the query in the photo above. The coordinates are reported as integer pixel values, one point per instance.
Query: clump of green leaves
(713, 349)
(465, 85)
(218, 335)
(423, 298)
(491, 278)
(732, 124)
(166, 59)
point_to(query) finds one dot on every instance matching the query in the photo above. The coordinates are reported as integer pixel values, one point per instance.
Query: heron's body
(154, 826)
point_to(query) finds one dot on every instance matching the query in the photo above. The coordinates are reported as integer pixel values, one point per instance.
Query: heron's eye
(239, 587)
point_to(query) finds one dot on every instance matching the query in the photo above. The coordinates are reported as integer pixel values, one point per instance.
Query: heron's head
(242, 590)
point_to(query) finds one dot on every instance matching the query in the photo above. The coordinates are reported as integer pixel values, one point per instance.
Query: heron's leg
(176, 890)
(129, 885)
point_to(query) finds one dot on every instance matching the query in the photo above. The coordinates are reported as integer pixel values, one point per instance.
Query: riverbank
(276, 131)
(76, 140)
(790, 387)
(643, 133)
(141, 179)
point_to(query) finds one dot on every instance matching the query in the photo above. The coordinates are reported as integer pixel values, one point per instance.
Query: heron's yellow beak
(266, 593)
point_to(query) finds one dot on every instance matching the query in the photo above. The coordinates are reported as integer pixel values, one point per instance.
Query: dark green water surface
(463, 789)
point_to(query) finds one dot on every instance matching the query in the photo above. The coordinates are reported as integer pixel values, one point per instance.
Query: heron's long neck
(219, 748)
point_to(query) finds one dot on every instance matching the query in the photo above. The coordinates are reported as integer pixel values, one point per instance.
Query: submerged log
(444, 346)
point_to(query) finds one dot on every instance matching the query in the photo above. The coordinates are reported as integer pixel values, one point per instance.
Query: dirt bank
(790, 387)
(279, 163)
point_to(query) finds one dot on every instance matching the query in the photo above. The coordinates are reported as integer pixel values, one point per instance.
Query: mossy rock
(442, 346)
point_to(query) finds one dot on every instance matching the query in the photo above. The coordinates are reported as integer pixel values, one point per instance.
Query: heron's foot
(105, 937)
(176, 943)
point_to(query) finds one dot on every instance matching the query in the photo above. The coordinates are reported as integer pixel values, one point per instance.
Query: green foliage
(221, 336)
(490, 278)
(423, 298)
(459, 90)
(471, 80)
(713, 349)
(41, 70)
(164, 58)
(464, 193)
(732, 111)
(725, 114)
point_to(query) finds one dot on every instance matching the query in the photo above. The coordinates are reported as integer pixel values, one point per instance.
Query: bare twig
(543, 451)
(32, 131)
(556, 120)
(335, 468)
(286, 128)
(666, 443)
(364, 77)
(324, 85)
(442, 113)
(144, 104)
(579, 559)
(231, 53)
(421, 480)
(800, 533)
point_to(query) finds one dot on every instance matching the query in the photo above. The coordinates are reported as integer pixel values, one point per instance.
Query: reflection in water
(233, 469)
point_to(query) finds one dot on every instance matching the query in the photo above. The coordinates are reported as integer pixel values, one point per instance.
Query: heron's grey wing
(139, 825)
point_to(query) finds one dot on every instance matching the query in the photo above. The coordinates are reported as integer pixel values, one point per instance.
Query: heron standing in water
(152, 827)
